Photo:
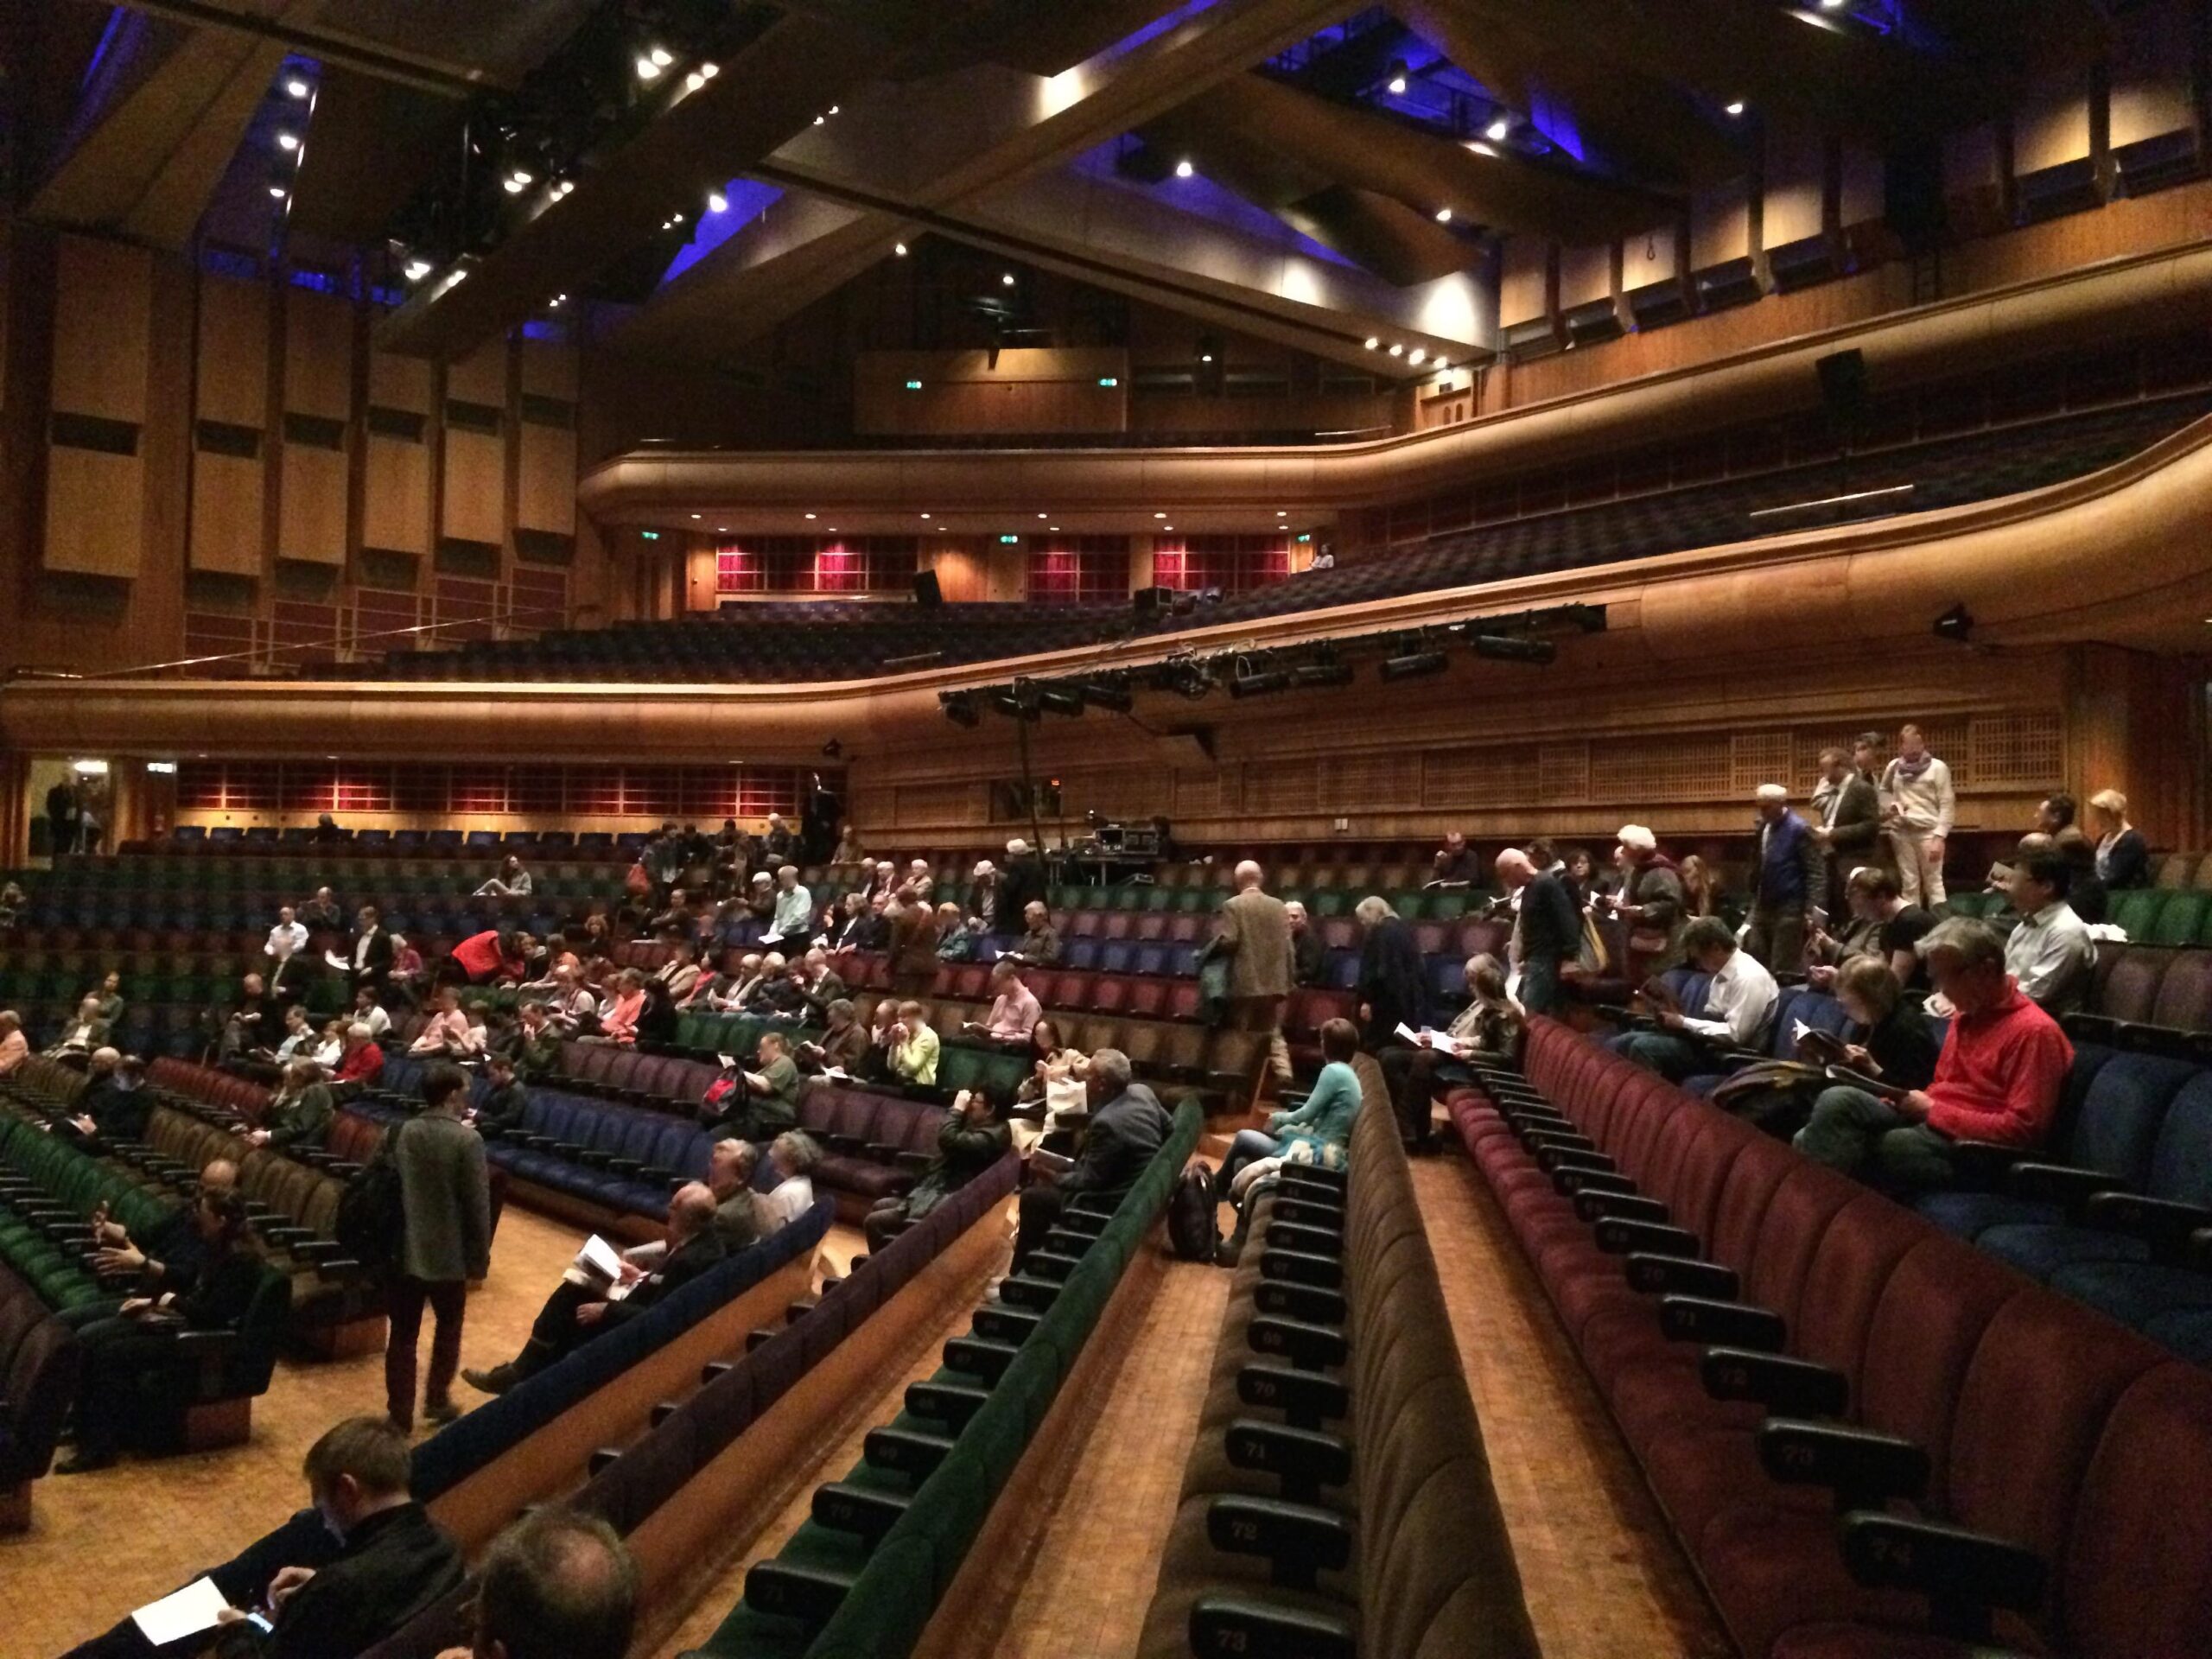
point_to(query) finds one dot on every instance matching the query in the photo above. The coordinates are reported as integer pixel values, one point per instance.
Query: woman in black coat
(142, 1337)
(1390, 991)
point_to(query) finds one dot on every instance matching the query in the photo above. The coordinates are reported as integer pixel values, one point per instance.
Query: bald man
(1253, 938)
(1546, 930)
(1787, 879)
(581, 1308)
(169, 1259)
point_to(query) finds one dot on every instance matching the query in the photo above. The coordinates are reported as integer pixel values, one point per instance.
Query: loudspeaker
(1151, 601)
(927, 594)
(1843, 385)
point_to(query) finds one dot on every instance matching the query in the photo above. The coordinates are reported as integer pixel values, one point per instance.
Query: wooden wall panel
(1648, 258)
(481, 377)
(2150, 73)
(1522, 280)
(227, 514)
(102, 316)
(548, 370)
(1721, 225)
(94, 512)
(2050, 129)
(311, 525)
(399, 382)
(395, 495)
(233, 381)
(318, 356)
(1797, 174)
(1585, 274)
(473, 504)
(545, 494)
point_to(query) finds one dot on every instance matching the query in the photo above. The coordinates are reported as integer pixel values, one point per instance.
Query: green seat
(1412, 907)
(2135, 913)
(2180, 918)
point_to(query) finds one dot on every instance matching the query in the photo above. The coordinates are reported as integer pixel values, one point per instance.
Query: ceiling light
(1282, 512)
(648, 70)
(417, 269)
(1167, 526)
(899, 248)
(1499, 130)
(297, 87)
(809, 515)
(1160, 515)
(1444, 215)
(564, 187)
(818, 120)
(560, 299)
(1441, 365)
(722, 530)
(832, 530)
(514, 185)
(694, 81)
(1832, 5)
(287, 141)
(925, 515)
(1006, 279)
(1372, 342)
(1040, 515)
(833, 109)
(1397, 86)
(661, 57)
(518, 178)
(675, 218)
(1397, 350)
(1481, 149)
(1205, 357)
(694, 515)
(277, 191)
(1416, 356)
(1736, 108)
(1184, 169)
(717, 202)
(1055, 529)
(710, 70)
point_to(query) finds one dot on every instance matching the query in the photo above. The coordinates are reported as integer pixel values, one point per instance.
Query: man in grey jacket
(447, 1199)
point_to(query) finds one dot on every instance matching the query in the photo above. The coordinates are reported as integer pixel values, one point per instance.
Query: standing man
(61, 816)
(1847, 822)
(1546, 929)
(1787, 881)
(792, 921)
(1649, 900)
(447, 1199)
(372, 953)
(1918, 806)
(1253, 934)
(1022, 883)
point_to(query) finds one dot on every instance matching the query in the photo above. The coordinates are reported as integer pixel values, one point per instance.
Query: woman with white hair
(1390, 992)
(983, 894)
(2123, 859)
(1649, 900)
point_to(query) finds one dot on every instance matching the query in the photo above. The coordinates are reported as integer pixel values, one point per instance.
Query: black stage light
(1412, 665)
(1112, 695)
(1059, 697)
(1310, 676)
(960, 707)
(1514, 648)
(1955, 625)
(1248, 678)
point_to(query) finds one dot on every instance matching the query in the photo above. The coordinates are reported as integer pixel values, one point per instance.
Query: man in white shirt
(1739, 1009)
(2050, 952)
(288, 938)
(792, 920)
(367, 1011)
(1918, 805)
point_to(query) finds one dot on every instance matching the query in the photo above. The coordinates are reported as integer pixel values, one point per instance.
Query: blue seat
(1081, 954)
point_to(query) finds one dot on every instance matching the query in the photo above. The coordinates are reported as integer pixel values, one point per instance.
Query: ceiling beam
(297, 30)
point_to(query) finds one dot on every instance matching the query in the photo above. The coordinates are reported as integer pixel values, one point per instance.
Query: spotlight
(417, 269)
(1397, 350)
(717, 202)
(297, 87)
(675, 218)
(899, 248)
(832, 750)
(1439, 365)
(564, 187)
(1955, 625)
(1248, 679)
(1018, 700)
(277, 191)
(1414, 664)
(1371, 342)
(514, 183)
(694, 81)
(1059, 699)
(960, 707)
(1397, 84)
(708, 71)
(1416, 356)
(833, 109)
(647, 69)
(1113, 695)
(1006, 279)
(1329, 672)
(1184, 169)
(1498, 130)
(661, 57)
(1736, 108)
(1444, 215)
(1043, 515)
(1513, 648)
(288, 141)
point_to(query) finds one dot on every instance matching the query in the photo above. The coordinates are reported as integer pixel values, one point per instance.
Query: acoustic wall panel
(1522, 278)
(473, 504)
(481, 377)
(102, 314)
(311, 518)
(231, 384)
(226, 513)
(318, 356)
(94, 511)
(546, 489)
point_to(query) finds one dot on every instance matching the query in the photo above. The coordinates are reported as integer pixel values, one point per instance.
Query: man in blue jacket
(1787, 880)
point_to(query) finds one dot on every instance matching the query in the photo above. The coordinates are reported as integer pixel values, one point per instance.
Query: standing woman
(445, 1197)
(2123, 859)
(1389, 974)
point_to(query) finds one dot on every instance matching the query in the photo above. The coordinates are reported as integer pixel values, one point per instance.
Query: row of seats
(2146, 915)
(40, 1364)
(1338, 1497)
(1870, 1437)
(49, 1188)
(862, 1577)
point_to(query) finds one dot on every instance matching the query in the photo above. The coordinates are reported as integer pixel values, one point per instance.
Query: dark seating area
(1338, 1497)
(39, 1364)
(1870, 1437)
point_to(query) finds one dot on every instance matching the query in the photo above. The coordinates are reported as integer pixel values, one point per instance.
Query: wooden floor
(102, 1544)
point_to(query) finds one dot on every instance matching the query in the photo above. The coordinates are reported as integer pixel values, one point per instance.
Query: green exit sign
(913, 385)
(1109, 380)
(1009, 541)
(649, 535)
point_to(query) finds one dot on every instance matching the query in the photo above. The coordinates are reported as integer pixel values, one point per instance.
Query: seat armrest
(1733, 1325)
(913, 1162)
(1594, 1207)
(2058, 1184)
(624, 1166)
(1862, 1468)
(1621, 1238)
(1789, 1388)
(1299, 1540)
(1571, 1179)
(1315, 1304)
(1309, 1211)
(1660, 1275)
(1296, 1235)
(851, 1145)
(1981, 1165)
(883, 1152)
(1245, 1627)
(1536, 1140)
(1552, 1159)
(1323, 1270)
(1304, 1459)
(2165, 1225)
(808, 1595)
(1306, 1398)
(1309, 1347)
(1962, 1573)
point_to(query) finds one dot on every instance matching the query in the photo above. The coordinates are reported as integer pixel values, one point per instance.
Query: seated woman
(1316, 1132)
(1055, 1090)
(791, 1158)
(956, 941)
(142, 1337)
(973, 1137)
(1890, 1040)
(1700, 888)
(914, 1047)
(679, 976)
(1490, 1024)
(619, 1016)
(447, 1032)
(843, 1045)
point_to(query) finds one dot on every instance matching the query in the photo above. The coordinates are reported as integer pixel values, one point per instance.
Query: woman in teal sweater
(1319, 1132)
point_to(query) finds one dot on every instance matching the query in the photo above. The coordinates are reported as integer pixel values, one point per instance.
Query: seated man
(1308, 955)
(1039, 945)
(298, 1041)
(776, 994)
(758, 1105)
(972, 1137)
(580, 1306)
(1014, 1009)
(299, 1112)
(1492, 1023)
(912, 1047)
(392, 1560)
(85, 1031)
(167, 1262)
(360, 1063)
(844, 1043)
(2004, 1062)
(242, 1029)
(819, 983)
(367, 1011)
(2049, 953)
(558, 1584)
(1882, 926)
(114, 1106)
(500, 1111)
(1738, 1008)
(1127, 1126)
(536, 1047)
(1455, 864)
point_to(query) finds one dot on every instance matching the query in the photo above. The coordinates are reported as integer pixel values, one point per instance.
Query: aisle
(1601, 1571)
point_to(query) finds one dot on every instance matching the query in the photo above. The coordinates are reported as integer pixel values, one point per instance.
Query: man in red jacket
(1998, 1079)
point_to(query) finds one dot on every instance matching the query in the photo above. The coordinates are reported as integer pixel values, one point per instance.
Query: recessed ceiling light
(1416, 356)
(1397, 350)
(1160, 515)
(696, 515)
(1498, 130)
(710, 70)
(417, 269)
(1055, 529)
(1184, 169)
(899, 248)
(277, 191)
(717, 202)
(647, 69)
(1282, 512)
(694, 81)
(818, 120)
(722, 530)
(925, 515)
(297, 87)
(564, 187)
(1006, 279)
(661, 56)
(1441, 365)
(287, 141)
(1444, 215)
(1397, 86)
(1736, 108)
(1040, 515)
(1372, 342)
(809, 515)
(833, 109)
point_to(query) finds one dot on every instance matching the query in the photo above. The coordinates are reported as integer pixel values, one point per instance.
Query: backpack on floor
(1191, 1233)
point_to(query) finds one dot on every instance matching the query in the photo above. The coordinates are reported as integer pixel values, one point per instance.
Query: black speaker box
(927, 594)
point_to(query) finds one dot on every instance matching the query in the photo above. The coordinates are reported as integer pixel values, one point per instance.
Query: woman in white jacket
(1918, 804)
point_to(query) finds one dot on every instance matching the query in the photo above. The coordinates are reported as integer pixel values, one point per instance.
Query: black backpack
(1191, 1233)
(372, 1226)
